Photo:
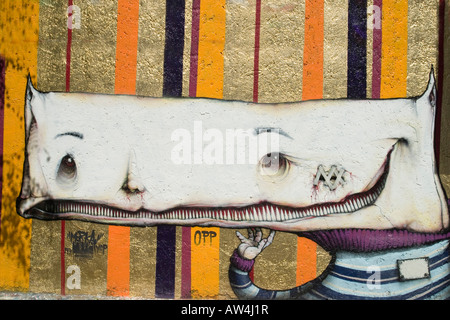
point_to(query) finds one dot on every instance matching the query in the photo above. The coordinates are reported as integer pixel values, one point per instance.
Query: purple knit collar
(368, 240)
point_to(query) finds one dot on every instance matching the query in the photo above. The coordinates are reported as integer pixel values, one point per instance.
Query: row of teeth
(266, 212)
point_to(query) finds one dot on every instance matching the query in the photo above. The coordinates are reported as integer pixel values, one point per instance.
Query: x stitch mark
(334, 174)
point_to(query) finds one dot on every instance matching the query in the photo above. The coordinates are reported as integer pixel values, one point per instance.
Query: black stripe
(172, 86)
(173, 49)
(357, 41)
(165, 262)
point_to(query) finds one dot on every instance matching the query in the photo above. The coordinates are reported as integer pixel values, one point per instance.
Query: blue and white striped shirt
(371, 275)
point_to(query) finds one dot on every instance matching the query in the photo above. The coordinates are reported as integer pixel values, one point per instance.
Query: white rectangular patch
(412, 269)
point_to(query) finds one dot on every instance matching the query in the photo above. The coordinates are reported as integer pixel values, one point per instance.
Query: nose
(133, 182)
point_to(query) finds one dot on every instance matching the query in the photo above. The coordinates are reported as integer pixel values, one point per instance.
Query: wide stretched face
(304, 166)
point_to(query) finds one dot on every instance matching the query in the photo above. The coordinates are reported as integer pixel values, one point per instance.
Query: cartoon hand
(251, 247)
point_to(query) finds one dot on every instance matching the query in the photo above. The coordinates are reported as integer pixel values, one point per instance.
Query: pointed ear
(34, 105)
(430, 93)
(30, 89)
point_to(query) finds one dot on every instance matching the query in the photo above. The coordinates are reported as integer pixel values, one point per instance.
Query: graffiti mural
(387, 186)
(225, 150)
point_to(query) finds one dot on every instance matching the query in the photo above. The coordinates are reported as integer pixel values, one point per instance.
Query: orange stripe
(306, 260)
(313, 50)
(126, 48)
(205, 255)
(312, 89)
(205, 241)
(118, 274)
(210, 49)
(394, 57)
(19, 21)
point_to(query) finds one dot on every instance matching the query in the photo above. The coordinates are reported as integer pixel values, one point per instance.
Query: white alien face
(305, 166)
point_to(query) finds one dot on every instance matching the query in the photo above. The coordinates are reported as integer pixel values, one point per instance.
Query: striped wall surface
(251, 50)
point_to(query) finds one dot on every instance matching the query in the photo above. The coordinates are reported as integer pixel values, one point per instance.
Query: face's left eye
(67, 170)
(274, 165)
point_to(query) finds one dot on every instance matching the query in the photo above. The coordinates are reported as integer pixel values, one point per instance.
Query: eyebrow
(280, 131)
(73, 134)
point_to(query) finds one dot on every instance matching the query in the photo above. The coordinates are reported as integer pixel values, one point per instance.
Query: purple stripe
(376, 52)
(440, 81)
(186, 263)
(194, 48)
(256, 54)
(2, 114)
(241, 263)
(367, 240)
(186, 231)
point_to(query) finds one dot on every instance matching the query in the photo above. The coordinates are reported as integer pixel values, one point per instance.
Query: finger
(258, 235)
(269, 239)
(250, 234)
(262, 244)
(243, 238)
(240, 236)
(271, 236)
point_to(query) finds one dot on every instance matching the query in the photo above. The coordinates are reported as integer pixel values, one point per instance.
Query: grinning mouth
(261, 212)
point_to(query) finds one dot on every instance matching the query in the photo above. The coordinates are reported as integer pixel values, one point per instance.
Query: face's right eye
(67, 170)
(275, 165)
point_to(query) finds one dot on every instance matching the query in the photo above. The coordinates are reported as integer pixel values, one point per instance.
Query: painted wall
(251, 50)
